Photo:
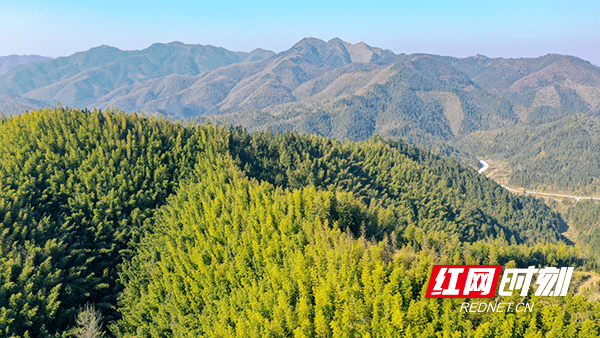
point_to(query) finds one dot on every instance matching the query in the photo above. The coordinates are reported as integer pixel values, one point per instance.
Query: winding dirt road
(485, 166)
(578, 198)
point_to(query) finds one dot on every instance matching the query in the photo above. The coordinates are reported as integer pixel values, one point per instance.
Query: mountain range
(341, 90)
(182, 81)
(85, 78)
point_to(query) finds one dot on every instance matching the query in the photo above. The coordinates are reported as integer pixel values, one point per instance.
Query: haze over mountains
(11, 61)
(181, 81)
(83, 78)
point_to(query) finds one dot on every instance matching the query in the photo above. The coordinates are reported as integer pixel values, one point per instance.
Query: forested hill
(398, 101)
(80, 190)
(561, 154)
(549, 85)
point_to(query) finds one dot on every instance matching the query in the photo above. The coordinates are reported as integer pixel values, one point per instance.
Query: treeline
(86, 218)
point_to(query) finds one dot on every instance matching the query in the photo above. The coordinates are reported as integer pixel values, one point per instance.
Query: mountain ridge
(181, 81)
(11, 61)
(66, 79)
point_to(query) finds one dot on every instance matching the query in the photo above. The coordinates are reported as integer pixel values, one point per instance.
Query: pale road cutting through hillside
(485, 166)
(578, 198)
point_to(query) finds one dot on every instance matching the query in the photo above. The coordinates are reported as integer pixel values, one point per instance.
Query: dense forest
(562, 154)
(198, 230)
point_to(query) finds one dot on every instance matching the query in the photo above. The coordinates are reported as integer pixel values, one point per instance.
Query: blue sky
(459, 28)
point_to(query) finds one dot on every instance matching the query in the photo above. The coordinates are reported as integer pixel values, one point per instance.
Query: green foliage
(267, 234)
(75, 189)
(416, 187)
(563, 154)
(233, 257)
(584, 218)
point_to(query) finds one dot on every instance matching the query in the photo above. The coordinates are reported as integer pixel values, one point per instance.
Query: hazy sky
(504, 28)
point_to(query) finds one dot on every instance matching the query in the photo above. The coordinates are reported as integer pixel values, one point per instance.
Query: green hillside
(234, 257)
(76, 188)
(83, 194)
(421, 189)
(563, 154)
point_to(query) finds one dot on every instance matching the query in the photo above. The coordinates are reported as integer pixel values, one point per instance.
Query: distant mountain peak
(363, 53)
(308, 41)
(260, 50)
(11, 61)
(104, 46)
(337, 52)
(84, 77)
